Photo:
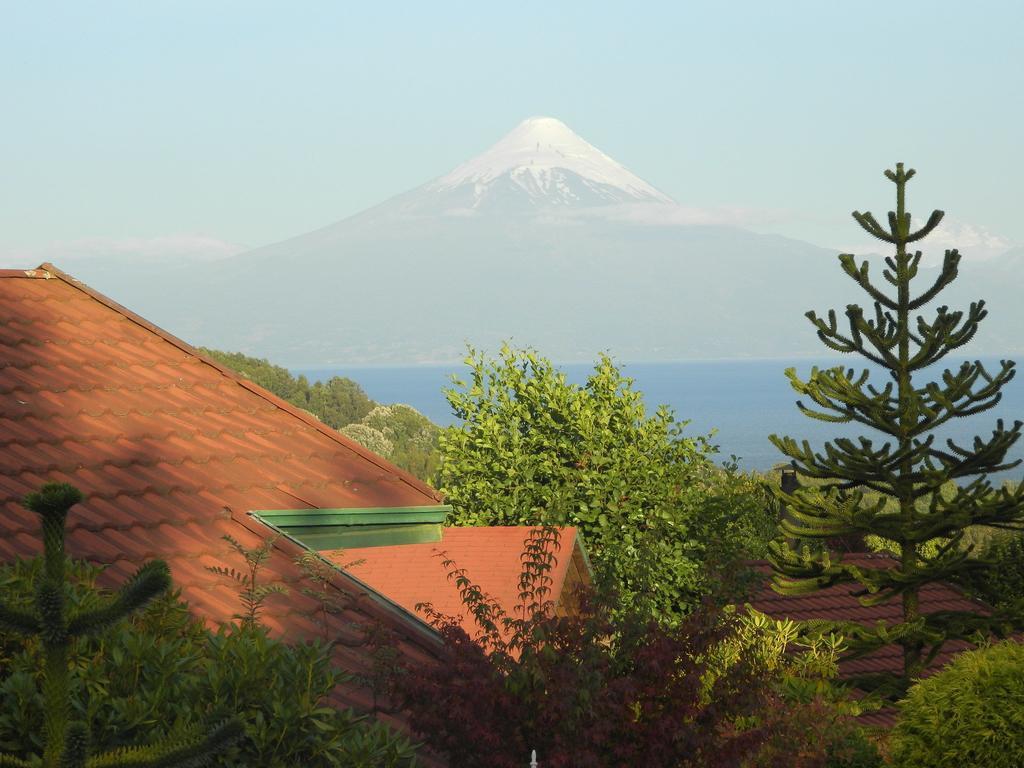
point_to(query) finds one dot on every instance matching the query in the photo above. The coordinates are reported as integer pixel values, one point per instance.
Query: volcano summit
(541, 163)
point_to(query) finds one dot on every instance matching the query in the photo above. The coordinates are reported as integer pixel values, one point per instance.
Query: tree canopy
(399, 433)
(652, 508)
(336, 402)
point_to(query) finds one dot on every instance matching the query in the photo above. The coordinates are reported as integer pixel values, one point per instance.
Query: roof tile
(171, 450)
(839, 603)
(491, 556)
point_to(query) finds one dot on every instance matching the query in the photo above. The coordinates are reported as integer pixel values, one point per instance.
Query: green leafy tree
(269, 376)
(533, 449)
(900, 490)
(336, 402)
(402, 435)
(399, 433)
(66, 741)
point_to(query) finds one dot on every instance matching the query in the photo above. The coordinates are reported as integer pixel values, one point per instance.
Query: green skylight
(324, 529)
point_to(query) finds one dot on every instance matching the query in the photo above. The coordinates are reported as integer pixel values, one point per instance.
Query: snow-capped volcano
(542, 163)
(542, 240)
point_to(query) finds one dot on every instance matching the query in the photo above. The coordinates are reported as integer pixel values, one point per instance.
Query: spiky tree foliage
(898, 487)
(251, 592)
(66, 741)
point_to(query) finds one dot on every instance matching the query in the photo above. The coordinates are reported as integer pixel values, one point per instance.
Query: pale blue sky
(251, 122)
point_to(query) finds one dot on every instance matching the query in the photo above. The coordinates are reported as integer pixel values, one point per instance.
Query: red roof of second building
(491, 556)
(171, 450)
(838, 603)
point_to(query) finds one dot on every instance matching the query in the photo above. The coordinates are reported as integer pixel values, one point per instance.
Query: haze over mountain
(543, 240)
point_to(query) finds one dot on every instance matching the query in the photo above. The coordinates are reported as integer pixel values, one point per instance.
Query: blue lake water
(743, 401)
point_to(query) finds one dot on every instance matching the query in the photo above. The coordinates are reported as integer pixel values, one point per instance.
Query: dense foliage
(162, 672)
(655, 513)
(399, 433)
(336, 402)
(1001, 586)
(818, 714)
(908, 490)
(588, 690)
(42, 619)
(970, 713)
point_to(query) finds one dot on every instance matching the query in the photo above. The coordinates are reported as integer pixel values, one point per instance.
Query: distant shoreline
(856, 361)
(742, 399)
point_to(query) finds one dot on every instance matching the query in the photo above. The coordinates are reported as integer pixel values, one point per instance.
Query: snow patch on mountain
(543, 161)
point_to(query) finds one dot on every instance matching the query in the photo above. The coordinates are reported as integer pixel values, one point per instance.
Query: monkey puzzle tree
(66, 741)
(900, 490)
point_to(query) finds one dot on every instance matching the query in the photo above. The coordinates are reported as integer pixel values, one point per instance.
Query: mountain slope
(543, 240)
(400, 291)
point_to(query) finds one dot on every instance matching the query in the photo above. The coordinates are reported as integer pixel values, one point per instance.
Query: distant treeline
(399, 433)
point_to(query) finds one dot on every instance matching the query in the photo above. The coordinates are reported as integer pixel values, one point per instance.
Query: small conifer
(67, 741)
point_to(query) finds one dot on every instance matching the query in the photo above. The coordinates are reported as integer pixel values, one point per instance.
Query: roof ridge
(47, 270)
(40, 273)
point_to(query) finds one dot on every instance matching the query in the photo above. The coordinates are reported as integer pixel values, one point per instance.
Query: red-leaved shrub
(583, 690)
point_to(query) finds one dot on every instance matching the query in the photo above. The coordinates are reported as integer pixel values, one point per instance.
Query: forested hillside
(397, 432)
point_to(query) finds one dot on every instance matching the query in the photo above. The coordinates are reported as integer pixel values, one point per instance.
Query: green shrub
(162, 672)
(1002, 586)
(970, 714)
(822, 729)
(851, 746)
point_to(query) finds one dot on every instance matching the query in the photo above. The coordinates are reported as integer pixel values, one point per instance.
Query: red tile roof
(837, 603)
(171, 450)
(414, 573)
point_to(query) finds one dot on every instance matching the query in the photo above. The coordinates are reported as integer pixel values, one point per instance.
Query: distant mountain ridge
(542, 239)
